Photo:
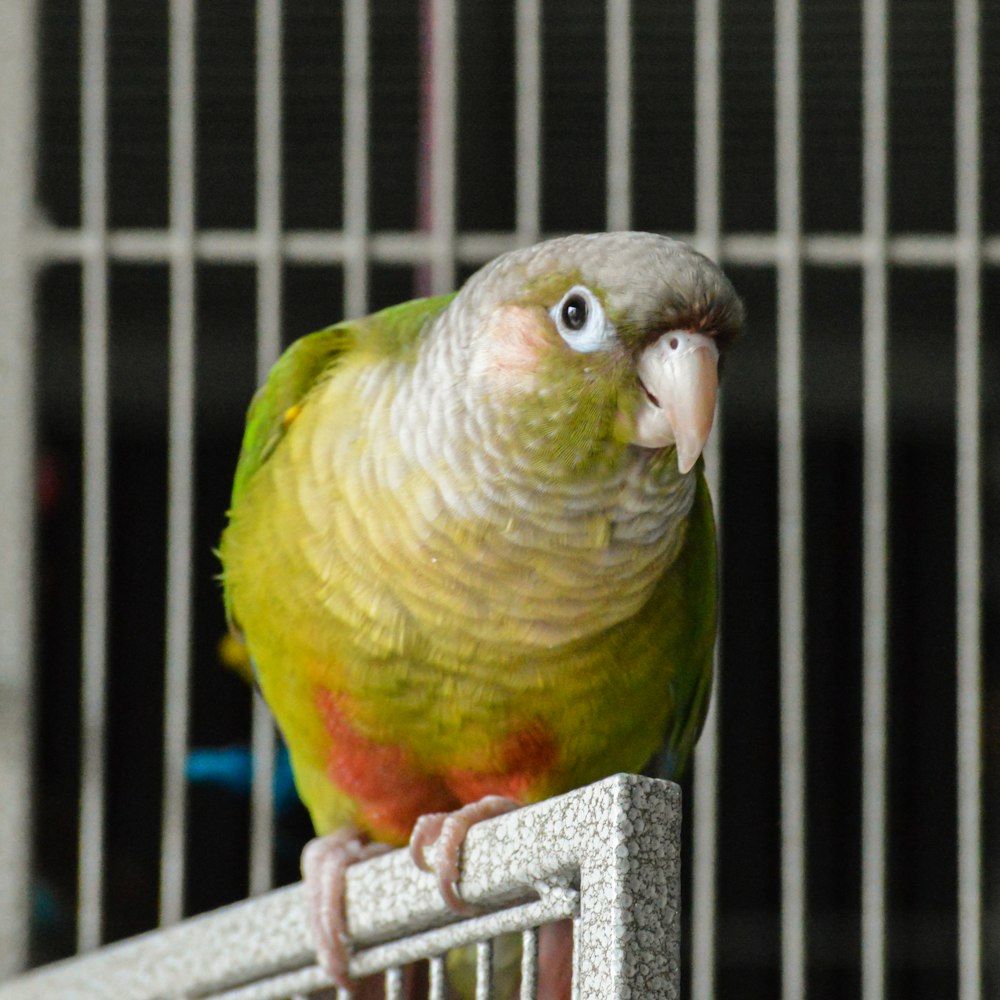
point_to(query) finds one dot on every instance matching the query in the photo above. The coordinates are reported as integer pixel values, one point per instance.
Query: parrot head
(587, 345)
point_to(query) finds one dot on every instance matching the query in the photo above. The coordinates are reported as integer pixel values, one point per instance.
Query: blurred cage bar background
(188, 186)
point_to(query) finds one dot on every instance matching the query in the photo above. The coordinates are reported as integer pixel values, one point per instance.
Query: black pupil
(574, 312)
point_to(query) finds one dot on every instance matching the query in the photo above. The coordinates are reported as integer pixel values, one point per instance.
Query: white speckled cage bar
(607, 856)
(437, 249)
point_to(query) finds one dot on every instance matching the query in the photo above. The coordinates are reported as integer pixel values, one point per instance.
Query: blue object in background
(231, 768)
(49, 913)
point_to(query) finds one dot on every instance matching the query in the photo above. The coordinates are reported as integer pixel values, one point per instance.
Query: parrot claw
(447, 831)
(325, 861)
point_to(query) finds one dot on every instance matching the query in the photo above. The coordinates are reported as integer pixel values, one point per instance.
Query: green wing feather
(692, 600)
(287, 385)
(311, 359)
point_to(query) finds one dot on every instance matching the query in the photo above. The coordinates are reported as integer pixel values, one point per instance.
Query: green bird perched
(471, 547)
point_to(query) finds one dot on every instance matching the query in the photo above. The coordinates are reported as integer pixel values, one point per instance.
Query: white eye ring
(580, 320)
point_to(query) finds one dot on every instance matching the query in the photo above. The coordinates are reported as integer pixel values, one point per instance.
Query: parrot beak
(679, 375)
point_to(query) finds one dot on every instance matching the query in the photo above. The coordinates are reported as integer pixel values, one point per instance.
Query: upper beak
(679, 375)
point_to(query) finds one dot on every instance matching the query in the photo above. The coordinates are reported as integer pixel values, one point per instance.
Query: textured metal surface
(529, 964)
(17, 151)
(608, 854)
(484, 970)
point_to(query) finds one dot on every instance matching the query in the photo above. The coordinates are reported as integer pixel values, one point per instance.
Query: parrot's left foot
(447, 831)
(325, 861)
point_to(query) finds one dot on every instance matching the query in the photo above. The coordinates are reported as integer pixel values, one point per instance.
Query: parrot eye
(580, 320)
(574, 312)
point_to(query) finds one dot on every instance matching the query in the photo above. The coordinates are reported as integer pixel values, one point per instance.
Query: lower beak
(679, 376)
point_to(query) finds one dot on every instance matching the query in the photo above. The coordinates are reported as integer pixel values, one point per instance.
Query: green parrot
(471, 548)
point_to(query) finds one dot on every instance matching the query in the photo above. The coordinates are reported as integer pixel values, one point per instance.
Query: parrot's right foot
(447, 831)
(325, 861)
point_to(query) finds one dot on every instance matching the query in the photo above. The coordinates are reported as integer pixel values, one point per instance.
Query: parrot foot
(325, 861)
(448, 831)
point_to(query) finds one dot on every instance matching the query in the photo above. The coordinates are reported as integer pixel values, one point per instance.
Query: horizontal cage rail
(320, 247)
(607, 855)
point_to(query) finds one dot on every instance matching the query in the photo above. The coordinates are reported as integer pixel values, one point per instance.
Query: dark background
(922, 870)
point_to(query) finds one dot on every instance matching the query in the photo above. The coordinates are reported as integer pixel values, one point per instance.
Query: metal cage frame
(607, 856)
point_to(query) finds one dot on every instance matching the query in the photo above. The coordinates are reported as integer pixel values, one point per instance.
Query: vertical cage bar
(626, 939)
(438, 983)
(708, 129)
(484, 970)
(443, 108)
(269, 184)
(528, 31)
(356, 151)
(529, 964)
(790, 502)
(705, 854)
(393, 984)
(708, 126)
(181, 458)
(875, 501)
(619, 114)
(96, 455)
(17, 487)
(263, 748)
(576, 987)
(968, 152)
(269, 260)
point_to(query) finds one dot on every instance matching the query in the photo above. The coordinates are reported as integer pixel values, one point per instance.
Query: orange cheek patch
(390, 792)
(512, 344)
